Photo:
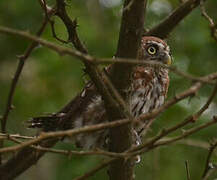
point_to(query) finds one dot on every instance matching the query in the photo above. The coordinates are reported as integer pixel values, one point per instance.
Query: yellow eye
(152, 50)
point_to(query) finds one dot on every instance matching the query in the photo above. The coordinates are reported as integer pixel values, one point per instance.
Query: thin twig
(189, 142)
(188, 132)
(69, 153)
(96, 169)
(117, 96)
(48, 10)
(52, 22)
(69, 133)
(208, 163)
(151, 63)
(22, 60)
(213, 26)
(187, 170)
(87, 58)
(210, 172)
(59, 49)
(70, 26)
(17, 75)
(128, 6)
(207, 104)
(5, 136)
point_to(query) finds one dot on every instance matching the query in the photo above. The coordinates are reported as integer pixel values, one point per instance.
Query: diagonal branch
(212, 24)
(22, 60)
(208, 165)
(174, 69)
(96, 169)
(187, 170)
(83, 57)
(187, 133)
(163, 29)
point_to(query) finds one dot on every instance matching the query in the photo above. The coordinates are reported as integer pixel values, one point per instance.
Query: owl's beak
(167, 59)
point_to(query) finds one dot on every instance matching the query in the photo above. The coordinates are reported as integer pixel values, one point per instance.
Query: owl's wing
(64, 119)
(87, 108)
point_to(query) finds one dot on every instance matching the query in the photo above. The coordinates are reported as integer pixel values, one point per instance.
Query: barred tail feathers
(46, 123)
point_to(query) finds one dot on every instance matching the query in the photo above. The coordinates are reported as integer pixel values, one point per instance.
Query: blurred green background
(49, 81)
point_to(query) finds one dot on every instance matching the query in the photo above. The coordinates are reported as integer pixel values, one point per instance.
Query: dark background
(49, 81)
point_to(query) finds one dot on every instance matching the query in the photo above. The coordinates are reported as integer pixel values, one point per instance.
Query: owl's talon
(138, 140)
(137, 159)
(137, 143)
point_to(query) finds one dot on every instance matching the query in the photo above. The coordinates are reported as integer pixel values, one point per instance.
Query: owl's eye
(152, 50)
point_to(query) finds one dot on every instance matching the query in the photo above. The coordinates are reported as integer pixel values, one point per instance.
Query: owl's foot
(137, 159)
(137, 143)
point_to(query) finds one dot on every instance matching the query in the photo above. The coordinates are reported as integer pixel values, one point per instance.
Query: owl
(147, 91)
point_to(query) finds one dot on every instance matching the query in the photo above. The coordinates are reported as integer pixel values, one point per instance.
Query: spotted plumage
(147, 91)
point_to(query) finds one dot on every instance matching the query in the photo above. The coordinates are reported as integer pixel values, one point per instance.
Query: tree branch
(121, 138)
(96, 169)
(187, 170)
(208, 165)
(163, 29)
(151, 63)
(89, 59)
(212, 24)
(22, 60)
(187, 133)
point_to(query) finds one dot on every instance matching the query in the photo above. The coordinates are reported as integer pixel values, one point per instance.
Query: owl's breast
(148, 89)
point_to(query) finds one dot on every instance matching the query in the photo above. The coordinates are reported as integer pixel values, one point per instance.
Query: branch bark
(121, 138)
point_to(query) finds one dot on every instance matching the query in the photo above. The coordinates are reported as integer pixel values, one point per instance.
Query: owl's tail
(46, 123)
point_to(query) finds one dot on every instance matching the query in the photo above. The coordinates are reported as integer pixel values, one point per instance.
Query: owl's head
(155, 49)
